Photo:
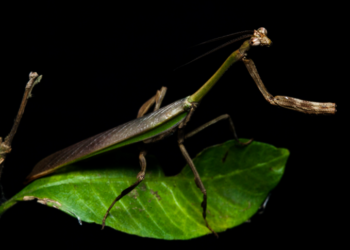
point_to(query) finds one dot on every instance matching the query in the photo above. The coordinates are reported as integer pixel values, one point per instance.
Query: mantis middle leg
(197, 178)
(217, 119)
(182, 136)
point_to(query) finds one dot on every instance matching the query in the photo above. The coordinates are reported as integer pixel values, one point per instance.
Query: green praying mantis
(162, 122)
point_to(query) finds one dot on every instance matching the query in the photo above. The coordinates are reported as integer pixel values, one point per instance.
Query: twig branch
(5, 147)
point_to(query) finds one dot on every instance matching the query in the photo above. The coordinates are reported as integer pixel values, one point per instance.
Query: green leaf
(237, 180)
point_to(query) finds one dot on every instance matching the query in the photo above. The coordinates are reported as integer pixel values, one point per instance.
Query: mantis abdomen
(143, 128)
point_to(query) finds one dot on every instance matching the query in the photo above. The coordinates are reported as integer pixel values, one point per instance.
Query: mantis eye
(263, 30)
(254, 41)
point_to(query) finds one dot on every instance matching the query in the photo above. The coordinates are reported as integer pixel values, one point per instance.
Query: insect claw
(216, 235)
(140, 176)
(245, 143)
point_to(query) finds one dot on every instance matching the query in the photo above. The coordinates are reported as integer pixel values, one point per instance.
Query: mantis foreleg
(307, 107)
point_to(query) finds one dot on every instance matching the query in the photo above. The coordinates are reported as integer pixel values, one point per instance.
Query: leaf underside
(237, 179)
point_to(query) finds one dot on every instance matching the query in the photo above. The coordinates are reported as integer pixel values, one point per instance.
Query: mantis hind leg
(140, 177)
(157, 100)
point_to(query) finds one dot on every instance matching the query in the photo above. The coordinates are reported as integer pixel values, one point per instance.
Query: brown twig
(5, 147)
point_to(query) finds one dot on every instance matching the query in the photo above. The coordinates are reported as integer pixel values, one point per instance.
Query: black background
(101, 63)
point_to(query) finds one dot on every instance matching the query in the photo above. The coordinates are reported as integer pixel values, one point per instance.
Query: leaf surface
(237, 179)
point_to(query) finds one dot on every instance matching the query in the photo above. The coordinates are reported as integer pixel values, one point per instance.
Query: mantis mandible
(162, 122)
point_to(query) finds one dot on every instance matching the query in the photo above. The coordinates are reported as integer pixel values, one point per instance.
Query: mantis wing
(143, 128)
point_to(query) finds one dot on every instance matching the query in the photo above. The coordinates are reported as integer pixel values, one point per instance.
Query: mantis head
(260, 38)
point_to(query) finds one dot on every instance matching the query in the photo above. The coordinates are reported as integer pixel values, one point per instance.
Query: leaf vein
(177, 204)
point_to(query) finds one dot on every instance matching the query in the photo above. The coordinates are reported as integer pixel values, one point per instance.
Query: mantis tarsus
(148, 128)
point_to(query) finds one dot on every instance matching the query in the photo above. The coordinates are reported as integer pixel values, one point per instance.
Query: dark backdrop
(100, 63)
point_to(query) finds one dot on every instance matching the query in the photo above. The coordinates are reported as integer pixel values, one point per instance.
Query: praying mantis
(163, 122)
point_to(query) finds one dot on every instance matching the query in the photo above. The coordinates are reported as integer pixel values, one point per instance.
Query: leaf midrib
(180, 177)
